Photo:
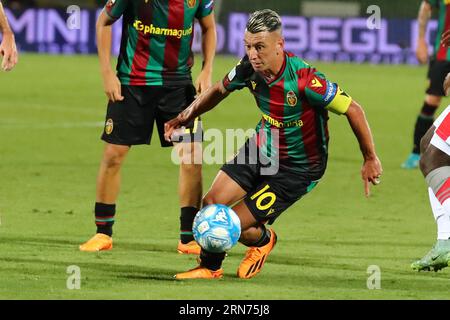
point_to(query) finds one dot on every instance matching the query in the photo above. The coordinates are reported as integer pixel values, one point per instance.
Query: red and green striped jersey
(156, 39)
(294, 106)
(441, 53)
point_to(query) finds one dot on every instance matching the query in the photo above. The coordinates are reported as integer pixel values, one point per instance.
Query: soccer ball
(216, 228)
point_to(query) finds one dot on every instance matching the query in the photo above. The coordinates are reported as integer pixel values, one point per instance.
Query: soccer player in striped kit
(8, 48)
(439, 66)
(152, 84)
(294, 99)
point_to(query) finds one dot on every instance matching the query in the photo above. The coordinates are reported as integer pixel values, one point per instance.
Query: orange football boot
(255, 257)
(99, 242)
(191, 247)
(200, 273)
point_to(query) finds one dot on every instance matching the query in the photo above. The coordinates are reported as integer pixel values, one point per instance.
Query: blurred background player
(439, 66)
(435, 166)
(294, 99)
(153, 83)
(8, 48)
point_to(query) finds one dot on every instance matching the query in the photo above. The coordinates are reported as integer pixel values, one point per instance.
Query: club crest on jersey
(191, 3)
(109, 126)
(291, 98)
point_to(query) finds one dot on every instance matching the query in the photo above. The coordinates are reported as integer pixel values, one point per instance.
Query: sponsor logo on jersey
(281, 124)
(109, 126)
(151, 29)
(331, 91)
(291, 98)
(191, 3)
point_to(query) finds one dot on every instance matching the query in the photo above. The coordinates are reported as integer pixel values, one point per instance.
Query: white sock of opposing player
(441, 215)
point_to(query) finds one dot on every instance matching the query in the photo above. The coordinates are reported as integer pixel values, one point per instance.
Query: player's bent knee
(208, 199)
(113, 162)
(426, 163)
(213, 197)
(114, 156)
(190, 153)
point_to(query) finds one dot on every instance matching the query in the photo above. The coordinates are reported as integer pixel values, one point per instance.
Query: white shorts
(441, 136)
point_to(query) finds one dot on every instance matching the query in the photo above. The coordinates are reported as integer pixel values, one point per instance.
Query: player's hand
(203, 81)
(112, 86)
(422, 51)
(9, 52)
(371, 173)
(445, 40)
(171, 128)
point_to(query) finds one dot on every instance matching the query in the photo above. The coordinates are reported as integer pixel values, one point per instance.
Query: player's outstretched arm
(111, 83)
(205, 102)
(371, 169)
(422, 18)
(8, 46)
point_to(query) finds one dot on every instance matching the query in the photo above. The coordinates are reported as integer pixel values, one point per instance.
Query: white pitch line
(57, 125)
(94, 111)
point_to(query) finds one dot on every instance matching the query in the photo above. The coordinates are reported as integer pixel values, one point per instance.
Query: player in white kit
(435, 166)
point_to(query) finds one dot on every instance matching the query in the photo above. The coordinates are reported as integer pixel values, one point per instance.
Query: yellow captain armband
(340, 103)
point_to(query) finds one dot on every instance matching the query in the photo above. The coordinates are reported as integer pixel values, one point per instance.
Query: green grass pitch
(52, 109)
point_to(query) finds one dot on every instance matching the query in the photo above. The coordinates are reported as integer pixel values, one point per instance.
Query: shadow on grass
(58, 242)
(126, 271)
(314, 270)
(37, 246)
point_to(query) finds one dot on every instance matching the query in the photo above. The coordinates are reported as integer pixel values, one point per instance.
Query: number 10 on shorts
(262, 195)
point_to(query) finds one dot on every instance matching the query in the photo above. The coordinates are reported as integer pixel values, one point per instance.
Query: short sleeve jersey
(156, 39)
(294, 108)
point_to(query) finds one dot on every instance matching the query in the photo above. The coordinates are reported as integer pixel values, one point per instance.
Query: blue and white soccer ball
(216, 228)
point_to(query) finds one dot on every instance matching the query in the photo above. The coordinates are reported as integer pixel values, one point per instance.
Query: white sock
(441, 215)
